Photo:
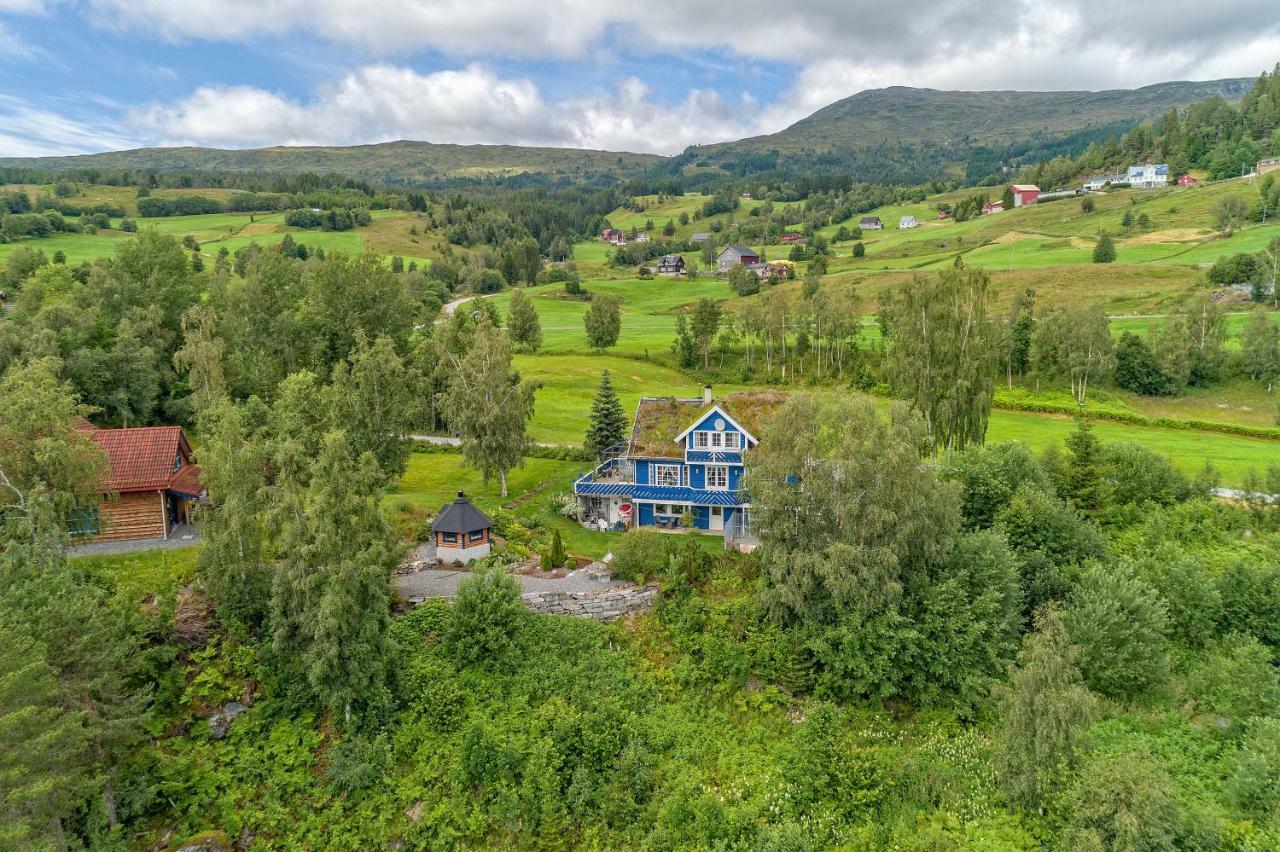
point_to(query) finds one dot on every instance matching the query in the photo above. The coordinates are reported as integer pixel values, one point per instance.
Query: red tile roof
(142, 458)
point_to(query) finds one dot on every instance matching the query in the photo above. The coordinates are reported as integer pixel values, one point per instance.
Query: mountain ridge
(897, 119)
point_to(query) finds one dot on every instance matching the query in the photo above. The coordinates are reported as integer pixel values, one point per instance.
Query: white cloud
(465, 106)
(908, 32)
(27, 131)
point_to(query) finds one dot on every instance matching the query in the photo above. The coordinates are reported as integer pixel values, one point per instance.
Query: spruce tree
(608, 422)
(1085, 486)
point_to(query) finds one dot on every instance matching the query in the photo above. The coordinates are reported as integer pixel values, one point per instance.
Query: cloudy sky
(93, 75)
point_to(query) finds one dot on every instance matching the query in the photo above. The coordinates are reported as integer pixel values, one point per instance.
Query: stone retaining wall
(599, 606)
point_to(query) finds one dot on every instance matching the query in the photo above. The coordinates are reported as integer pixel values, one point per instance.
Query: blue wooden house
(682, 467)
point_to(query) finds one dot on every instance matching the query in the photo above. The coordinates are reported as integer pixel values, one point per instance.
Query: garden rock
(221, 721)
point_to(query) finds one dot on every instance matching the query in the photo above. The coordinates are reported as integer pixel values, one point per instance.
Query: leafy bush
(1190, 596)
(1236, 681)
(1120, 624)
(1251, 600)
(1122, 801)
(639, 555)
(357, 762)
(486, 617)
(1254, 784)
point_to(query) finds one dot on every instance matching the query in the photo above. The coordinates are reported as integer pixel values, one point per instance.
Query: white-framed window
(717, 440)
(666, 474)
(717, 477)
(700, 440)
(731, 440)
(661, 509)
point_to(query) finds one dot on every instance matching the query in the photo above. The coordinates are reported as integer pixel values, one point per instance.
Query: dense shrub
(1120, 625)
(639, 555)
(486, 616)
(1122, 801)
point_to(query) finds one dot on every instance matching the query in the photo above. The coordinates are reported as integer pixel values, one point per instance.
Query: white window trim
(735, 443)
(658, 469)
(701, 440)
(707, 480)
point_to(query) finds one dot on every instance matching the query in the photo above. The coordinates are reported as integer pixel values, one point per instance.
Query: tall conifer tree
(608, 422)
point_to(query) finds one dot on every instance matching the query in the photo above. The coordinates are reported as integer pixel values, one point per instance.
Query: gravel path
(443, 583)
(183, 535)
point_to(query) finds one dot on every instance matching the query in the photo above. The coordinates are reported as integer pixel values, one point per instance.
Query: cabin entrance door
(716, 522)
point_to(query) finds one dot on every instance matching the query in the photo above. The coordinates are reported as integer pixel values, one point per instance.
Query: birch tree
(942, 354)
(489, 406)
(1074, 342)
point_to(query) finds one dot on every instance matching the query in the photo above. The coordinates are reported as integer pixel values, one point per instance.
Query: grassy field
(648, 311)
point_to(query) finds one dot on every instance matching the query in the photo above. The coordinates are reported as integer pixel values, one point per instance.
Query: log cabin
(151, 488)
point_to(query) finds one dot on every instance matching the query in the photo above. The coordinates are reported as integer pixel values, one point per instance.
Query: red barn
(1187, 180)
(1024, 193)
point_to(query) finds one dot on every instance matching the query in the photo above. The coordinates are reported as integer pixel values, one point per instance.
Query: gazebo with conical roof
(461, 532)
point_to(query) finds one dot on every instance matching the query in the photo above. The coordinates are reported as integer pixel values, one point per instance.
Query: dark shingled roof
(460, 517)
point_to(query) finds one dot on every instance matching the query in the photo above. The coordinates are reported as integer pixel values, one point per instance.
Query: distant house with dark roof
(150, 489)
(733, 256)
(906, 222)
(1270, 164)
(461, 532)
(613, 236)
(870, 223)
(671, 265)
(700, 236)
(993, 207)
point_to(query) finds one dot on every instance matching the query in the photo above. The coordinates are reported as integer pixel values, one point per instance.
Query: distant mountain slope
(894, 135)
(387, 162)
(900, 114)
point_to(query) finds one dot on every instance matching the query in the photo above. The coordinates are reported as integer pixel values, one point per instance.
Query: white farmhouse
(1148, 176)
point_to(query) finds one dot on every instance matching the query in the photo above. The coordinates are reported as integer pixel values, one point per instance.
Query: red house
(1024, 193)
(613, 235)
(993, 207)
(1187, 180)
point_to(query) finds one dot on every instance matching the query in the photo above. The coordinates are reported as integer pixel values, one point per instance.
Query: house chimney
(706, 394)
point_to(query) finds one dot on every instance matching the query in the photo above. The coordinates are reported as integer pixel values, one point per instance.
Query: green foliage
(1120, 625)
(357, 762)
(42, 739)
(1191, 598)
(1250, 595)
(1122, 801)
(941, 354)
(603, 321)
(523, 324)
(1254, 784)
(990, 476)
(1236, 682)
(553, 557)
(1050, 539)
(1138, 370)
(1044, 711)
(639, 554)
(608, 424)
(486, 617)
